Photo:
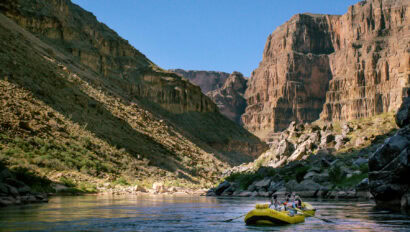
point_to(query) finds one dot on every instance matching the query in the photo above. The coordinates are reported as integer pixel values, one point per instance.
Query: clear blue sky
(221, 35)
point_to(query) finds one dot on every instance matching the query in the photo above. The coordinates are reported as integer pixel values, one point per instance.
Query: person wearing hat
(274, 202)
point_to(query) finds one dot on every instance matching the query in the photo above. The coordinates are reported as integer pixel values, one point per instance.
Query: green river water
(167, 213)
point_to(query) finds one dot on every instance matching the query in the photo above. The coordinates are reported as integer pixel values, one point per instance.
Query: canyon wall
(77, 32)
(86, 55)
(230, 98)
(206, 80)
(331, 67)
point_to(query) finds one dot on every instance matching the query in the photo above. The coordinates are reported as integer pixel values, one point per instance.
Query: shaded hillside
(79, 102)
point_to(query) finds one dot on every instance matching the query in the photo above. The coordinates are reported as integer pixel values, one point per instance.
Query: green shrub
(364, 168)
(67, 181)
(336, 174)
(35, 182)
(87, 187)
(121, 181)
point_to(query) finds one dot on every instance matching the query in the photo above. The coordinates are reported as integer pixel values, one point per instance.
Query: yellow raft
(263, 215)
(308, 209)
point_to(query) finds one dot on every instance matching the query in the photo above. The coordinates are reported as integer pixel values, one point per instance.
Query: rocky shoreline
(314, 185)
(15, 192)
(332, 163)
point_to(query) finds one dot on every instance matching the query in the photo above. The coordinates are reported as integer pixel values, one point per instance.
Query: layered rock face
(207, 80)
(389, 166)
(335, 67)
(371, 66)
(78, 32)
(230, 98)
(106, 110)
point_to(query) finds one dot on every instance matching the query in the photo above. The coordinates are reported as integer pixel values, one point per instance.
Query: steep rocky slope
(79, 103)
(336, 67)
(207, 80)
(324, 160)
(230, 98)
(389, 166)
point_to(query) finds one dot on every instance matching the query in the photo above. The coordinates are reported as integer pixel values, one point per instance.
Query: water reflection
(165, 213)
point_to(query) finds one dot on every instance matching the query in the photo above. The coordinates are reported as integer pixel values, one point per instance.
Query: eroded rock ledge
(333, 67)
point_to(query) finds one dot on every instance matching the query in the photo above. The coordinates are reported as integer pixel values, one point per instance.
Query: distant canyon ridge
(225, 90)
(329, 67)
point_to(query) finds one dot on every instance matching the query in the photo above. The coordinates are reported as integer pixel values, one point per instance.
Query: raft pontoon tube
(308, 209)
(263, 215)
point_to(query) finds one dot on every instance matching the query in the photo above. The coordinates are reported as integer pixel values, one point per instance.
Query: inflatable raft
(263, 215)
(308, 209)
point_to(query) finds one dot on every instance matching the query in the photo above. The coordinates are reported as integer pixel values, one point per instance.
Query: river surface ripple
(167, 213)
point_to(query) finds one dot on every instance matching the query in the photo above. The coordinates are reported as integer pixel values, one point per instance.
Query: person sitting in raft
(292, 204)
(274, 202)
(298, 202)
(286, 202)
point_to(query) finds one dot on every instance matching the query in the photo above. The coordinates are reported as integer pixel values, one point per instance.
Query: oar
(229, 220)
(323, 219)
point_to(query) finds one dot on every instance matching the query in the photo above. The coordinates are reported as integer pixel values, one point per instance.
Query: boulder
(3, 189)
(306, 188)
(326, 138)
(12, 190)
(340, 141)
(315, 169)
(389, 170)
(60, 188)
(263, 183)
(292, 126)
(360, 161)
(281, 191)
(285, 148)
(229, 191)
(4, 174)
(403, 114)
(361, 141)
(363, 185)
(221, 187)
(314, 138)
(210, 193)
(24, 190)
(364, 194)
(310, 175)
(405, 201)
(299, 127)
(140, 188)
(251, 187)
(245, 194)
(321, 178)
(346, 129)
(262, 193)
(6, 201)
(301, 151)
(158, 187)
(303, 138)
(274, 187)
(391, 148)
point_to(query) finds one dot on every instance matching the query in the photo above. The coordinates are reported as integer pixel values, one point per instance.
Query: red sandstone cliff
(335, 67)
